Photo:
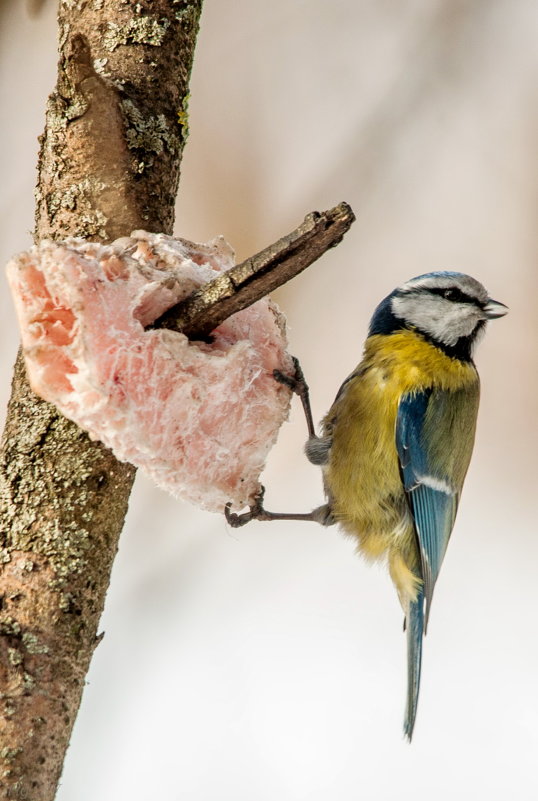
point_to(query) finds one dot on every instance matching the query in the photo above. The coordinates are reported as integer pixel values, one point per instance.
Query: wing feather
(434, 439)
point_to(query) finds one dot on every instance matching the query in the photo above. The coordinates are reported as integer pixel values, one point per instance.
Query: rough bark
(109, 163)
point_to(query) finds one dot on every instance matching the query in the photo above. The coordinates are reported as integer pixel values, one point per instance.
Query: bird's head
(449, 309)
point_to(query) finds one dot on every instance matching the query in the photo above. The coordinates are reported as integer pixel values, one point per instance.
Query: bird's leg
(316, 448)
(320, 515)
(298, 385)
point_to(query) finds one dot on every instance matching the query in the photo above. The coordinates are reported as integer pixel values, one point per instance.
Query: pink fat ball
(198, 418)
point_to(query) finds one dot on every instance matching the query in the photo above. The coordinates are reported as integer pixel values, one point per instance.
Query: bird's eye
(451, 294)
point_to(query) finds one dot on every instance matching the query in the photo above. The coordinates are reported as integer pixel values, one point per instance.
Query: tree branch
(259, 275)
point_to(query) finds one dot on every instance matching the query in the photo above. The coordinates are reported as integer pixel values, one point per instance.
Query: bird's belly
(370, 505)
(362, 476)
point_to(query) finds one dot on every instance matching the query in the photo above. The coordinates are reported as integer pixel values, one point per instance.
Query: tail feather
(415, 631)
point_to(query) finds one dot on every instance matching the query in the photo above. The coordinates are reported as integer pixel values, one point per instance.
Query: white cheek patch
(444, 320)
(461, 321)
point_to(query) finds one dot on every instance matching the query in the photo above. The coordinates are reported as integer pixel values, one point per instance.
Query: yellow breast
(413, 364)
(362, 477)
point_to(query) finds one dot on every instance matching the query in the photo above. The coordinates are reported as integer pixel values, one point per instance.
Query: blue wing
(434, 441)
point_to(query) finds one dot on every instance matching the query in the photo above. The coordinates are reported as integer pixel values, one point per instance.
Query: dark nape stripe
(384, 320)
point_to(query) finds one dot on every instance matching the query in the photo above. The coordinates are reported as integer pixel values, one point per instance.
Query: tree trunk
(109, 163)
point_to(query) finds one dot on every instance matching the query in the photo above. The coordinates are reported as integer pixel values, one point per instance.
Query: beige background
(268, 664)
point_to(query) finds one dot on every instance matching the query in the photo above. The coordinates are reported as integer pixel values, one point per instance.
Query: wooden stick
(255, 277)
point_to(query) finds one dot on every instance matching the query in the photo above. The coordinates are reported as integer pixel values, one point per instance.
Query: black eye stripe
(455, 294)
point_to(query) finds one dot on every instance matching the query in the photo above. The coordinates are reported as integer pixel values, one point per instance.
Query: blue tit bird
(397, 441)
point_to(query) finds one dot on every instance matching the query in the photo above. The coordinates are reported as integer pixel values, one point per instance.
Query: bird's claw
(295, 382)
(255, 512)
(298, 385)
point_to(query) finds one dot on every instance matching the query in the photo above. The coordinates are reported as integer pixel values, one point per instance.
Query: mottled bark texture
(109, 163)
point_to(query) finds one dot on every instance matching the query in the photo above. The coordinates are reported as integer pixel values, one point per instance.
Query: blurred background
(269, 663)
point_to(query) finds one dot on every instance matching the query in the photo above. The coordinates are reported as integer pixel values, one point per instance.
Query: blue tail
(415, 630)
